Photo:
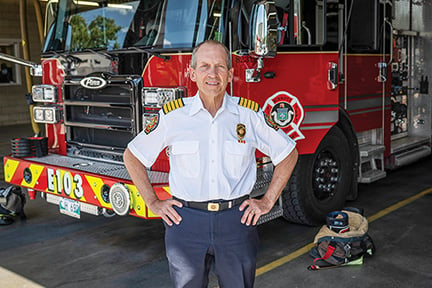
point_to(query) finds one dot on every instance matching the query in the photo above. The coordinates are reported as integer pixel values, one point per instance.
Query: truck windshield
(116, 24)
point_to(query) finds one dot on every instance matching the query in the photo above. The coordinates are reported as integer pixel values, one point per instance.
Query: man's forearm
(257, 207)
(139, 176)
(281, 175)
(138, 173)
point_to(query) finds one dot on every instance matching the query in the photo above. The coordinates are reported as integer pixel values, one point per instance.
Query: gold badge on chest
(241, 132)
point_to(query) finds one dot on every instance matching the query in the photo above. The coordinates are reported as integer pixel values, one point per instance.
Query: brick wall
(13, 106)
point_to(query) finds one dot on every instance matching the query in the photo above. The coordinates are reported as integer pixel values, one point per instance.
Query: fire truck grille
(101, 121)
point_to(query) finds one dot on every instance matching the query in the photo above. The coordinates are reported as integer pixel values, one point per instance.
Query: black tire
(320, 182)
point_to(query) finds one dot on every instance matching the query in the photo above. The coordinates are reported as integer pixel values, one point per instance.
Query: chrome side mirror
(263, 30)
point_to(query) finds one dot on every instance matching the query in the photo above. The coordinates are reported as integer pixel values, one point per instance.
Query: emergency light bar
(45, 93)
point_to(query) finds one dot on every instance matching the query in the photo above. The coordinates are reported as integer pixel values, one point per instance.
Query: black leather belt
(214, 205)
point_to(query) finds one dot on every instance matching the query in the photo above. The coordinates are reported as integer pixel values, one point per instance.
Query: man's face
(211, 73)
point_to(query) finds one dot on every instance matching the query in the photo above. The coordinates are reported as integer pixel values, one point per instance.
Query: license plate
(70, 207)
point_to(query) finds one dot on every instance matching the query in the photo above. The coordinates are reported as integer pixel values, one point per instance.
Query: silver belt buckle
(213, 206)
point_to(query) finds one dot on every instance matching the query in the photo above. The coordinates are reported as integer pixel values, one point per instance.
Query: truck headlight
(47, 114)
(157, 97)
(45, 93)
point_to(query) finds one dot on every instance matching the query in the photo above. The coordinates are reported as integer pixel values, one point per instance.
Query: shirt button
(212, 180)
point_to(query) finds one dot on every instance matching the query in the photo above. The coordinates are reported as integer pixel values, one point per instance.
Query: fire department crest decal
(286, 111)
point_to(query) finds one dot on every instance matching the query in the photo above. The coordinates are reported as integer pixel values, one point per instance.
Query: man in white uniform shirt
(212, 138)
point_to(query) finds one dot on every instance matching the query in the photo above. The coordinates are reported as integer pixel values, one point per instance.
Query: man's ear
(230, 74)
(192, 74)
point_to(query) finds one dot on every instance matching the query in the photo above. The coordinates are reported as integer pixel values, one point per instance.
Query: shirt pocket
(185, 158)
(236, 158)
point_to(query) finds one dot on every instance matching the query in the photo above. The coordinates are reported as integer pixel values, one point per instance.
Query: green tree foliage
(80, 35)
(97, 34)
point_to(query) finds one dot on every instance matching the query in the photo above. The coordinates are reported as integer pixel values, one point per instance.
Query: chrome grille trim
(106, 118)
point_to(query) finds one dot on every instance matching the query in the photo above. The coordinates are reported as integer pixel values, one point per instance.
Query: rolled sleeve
(277, 159)
(139, 155)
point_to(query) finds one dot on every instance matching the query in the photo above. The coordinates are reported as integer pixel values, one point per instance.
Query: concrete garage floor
(54, 250)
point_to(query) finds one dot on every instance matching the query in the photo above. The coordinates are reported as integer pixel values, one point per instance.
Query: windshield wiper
(68, 57)
(149, 51)
(105, 54)
(74, 58)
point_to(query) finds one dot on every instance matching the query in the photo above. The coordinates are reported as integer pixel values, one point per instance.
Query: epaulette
(248, 104)
(173, 105)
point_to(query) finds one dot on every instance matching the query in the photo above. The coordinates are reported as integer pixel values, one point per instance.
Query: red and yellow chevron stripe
(74, 184)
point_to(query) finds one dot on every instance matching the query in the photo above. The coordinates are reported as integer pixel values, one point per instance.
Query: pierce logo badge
(93, 82)
(286, 112)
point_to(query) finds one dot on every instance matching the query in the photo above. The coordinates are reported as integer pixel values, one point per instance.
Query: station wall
(13, 105)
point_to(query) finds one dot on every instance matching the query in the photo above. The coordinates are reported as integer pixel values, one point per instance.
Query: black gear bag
(12, 201)
(335, 249)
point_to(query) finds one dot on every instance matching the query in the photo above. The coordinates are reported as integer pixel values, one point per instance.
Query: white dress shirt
(209, 159)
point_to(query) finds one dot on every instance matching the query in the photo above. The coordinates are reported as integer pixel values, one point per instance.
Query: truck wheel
(320, 182)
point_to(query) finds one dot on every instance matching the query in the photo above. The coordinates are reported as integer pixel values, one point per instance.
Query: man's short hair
(212, 42)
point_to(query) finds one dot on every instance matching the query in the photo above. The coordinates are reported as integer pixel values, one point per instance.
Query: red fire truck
(338, 76)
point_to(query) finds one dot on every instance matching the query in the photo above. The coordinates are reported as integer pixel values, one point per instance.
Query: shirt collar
(227, 103)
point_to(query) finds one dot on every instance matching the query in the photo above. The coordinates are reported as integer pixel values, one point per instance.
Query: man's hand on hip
(253, 209)
(257, 207)
(164, 208)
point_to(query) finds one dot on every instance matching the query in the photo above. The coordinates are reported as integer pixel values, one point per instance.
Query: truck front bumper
(101, 184)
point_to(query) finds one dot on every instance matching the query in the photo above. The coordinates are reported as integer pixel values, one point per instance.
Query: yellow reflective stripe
(10, 169)
(96, 186)
(36, 171)
(137, 202)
